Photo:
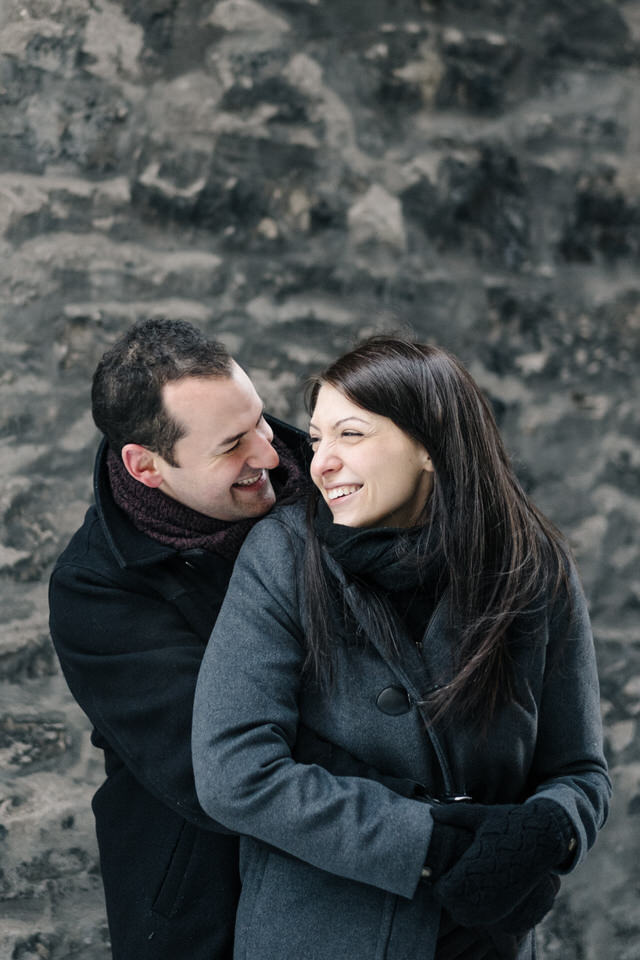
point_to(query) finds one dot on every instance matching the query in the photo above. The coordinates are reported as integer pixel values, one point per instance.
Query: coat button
(393, 701)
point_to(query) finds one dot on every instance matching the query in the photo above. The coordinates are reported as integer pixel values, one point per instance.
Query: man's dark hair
(126, 395)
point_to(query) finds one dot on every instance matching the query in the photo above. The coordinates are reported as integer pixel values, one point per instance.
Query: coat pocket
(290, 909)
(167, 901)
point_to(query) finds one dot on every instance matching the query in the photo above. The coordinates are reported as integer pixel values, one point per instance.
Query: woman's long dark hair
(501, 554)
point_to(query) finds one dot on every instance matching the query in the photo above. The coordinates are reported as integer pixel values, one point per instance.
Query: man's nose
(262, 455)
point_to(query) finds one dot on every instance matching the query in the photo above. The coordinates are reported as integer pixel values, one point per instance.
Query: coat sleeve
(131, 662)
(244, 729)
(569, 764)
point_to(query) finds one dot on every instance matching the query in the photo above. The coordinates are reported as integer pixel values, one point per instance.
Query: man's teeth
(342, 491)
(248, 481)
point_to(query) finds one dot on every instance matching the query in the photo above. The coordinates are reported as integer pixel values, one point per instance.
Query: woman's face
(369, 471)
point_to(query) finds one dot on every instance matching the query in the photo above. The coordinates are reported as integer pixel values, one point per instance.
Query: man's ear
(141, 464)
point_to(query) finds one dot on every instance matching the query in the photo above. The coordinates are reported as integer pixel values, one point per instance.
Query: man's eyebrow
(237, 436)
(343, 420)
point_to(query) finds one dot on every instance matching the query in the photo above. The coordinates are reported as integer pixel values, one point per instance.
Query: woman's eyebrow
(338, 422)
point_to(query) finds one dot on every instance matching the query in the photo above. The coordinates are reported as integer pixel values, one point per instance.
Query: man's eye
(231, 449)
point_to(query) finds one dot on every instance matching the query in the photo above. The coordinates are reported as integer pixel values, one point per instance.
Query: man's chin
(268, 502)
(259, 505)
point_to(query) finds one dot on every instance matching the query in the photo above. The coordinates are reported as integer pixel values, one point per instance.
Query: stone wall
(290, 175)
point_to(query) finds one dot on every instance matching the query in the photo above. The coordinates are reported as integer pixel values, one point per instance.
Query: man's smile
(252, 481)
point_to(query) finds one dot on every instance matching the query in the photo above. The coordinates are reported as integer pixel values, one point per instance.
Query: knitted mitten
(466, 943)
(513, 847)
(533, 908)
(446, 846)
(500, 942)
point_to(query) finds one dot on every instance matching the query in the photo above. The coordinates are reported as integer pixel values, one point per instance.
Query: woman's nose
(324, 460)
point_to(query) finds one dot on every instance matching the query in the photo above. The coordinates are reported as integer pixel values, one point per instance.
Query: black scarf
(387, 558)
(408, 575)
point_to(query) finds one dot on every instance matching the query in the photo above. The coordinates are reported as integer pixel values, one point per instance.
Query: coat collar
(130, 547)
(419, 676)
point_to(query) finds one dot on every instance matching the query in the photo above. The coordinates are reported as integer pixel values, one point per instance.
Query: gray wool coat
(331, 866)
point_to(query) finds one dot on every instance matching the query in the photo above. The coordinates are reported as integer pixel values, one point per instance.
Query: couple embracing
(395, 724)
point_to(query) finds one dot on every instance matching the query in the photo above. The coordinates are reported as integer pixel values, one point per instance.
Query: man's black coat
(130, 619)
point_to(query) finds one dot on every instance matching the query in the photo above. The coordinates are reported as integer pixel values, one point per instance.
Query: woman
(426, 619)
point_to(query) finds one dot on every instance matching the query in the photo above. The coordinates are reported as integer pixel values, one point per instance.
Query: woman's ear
(427, 462)
(141, 464)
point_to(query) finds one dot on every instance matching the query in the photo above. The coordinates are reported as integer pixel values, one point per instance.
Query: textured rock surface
(291, 175)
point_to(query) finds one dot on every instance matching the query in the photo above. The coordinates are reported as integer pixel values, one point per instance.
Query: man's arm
(131, 662)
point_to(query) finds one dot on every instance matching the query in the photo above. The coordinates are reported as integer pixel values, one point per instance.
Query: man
(187, 465)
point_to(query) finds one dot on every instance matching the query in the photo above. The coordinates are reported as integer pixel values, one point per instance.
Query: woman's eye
(314, 441)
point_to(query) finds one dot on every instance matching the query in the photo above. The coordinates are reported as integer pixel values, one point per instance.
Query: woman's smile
(341, 492)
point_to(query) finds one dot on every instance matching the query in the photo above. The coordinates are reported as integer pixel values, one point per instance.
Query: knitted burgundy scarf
(176, 525)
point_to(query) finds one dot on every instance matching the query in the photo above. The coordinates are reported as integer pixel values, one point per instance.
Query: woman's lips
(340, 492)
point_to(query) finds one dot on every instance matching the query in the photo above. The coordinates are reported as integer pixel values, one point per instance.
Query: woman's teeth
(337, 492)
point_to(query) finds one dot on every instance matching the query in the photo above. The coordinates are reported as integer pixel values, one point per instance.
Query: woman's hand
(501, 942)
(460, 943)
(533, 908)
(514, 848)
(447, 845)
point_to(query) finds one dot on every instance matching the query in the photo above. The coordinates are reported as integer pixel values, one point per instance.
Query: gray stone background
(290, 175)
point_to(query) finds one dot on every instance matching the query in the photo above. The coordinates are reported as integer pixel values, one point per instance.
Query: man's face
(226, 453)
